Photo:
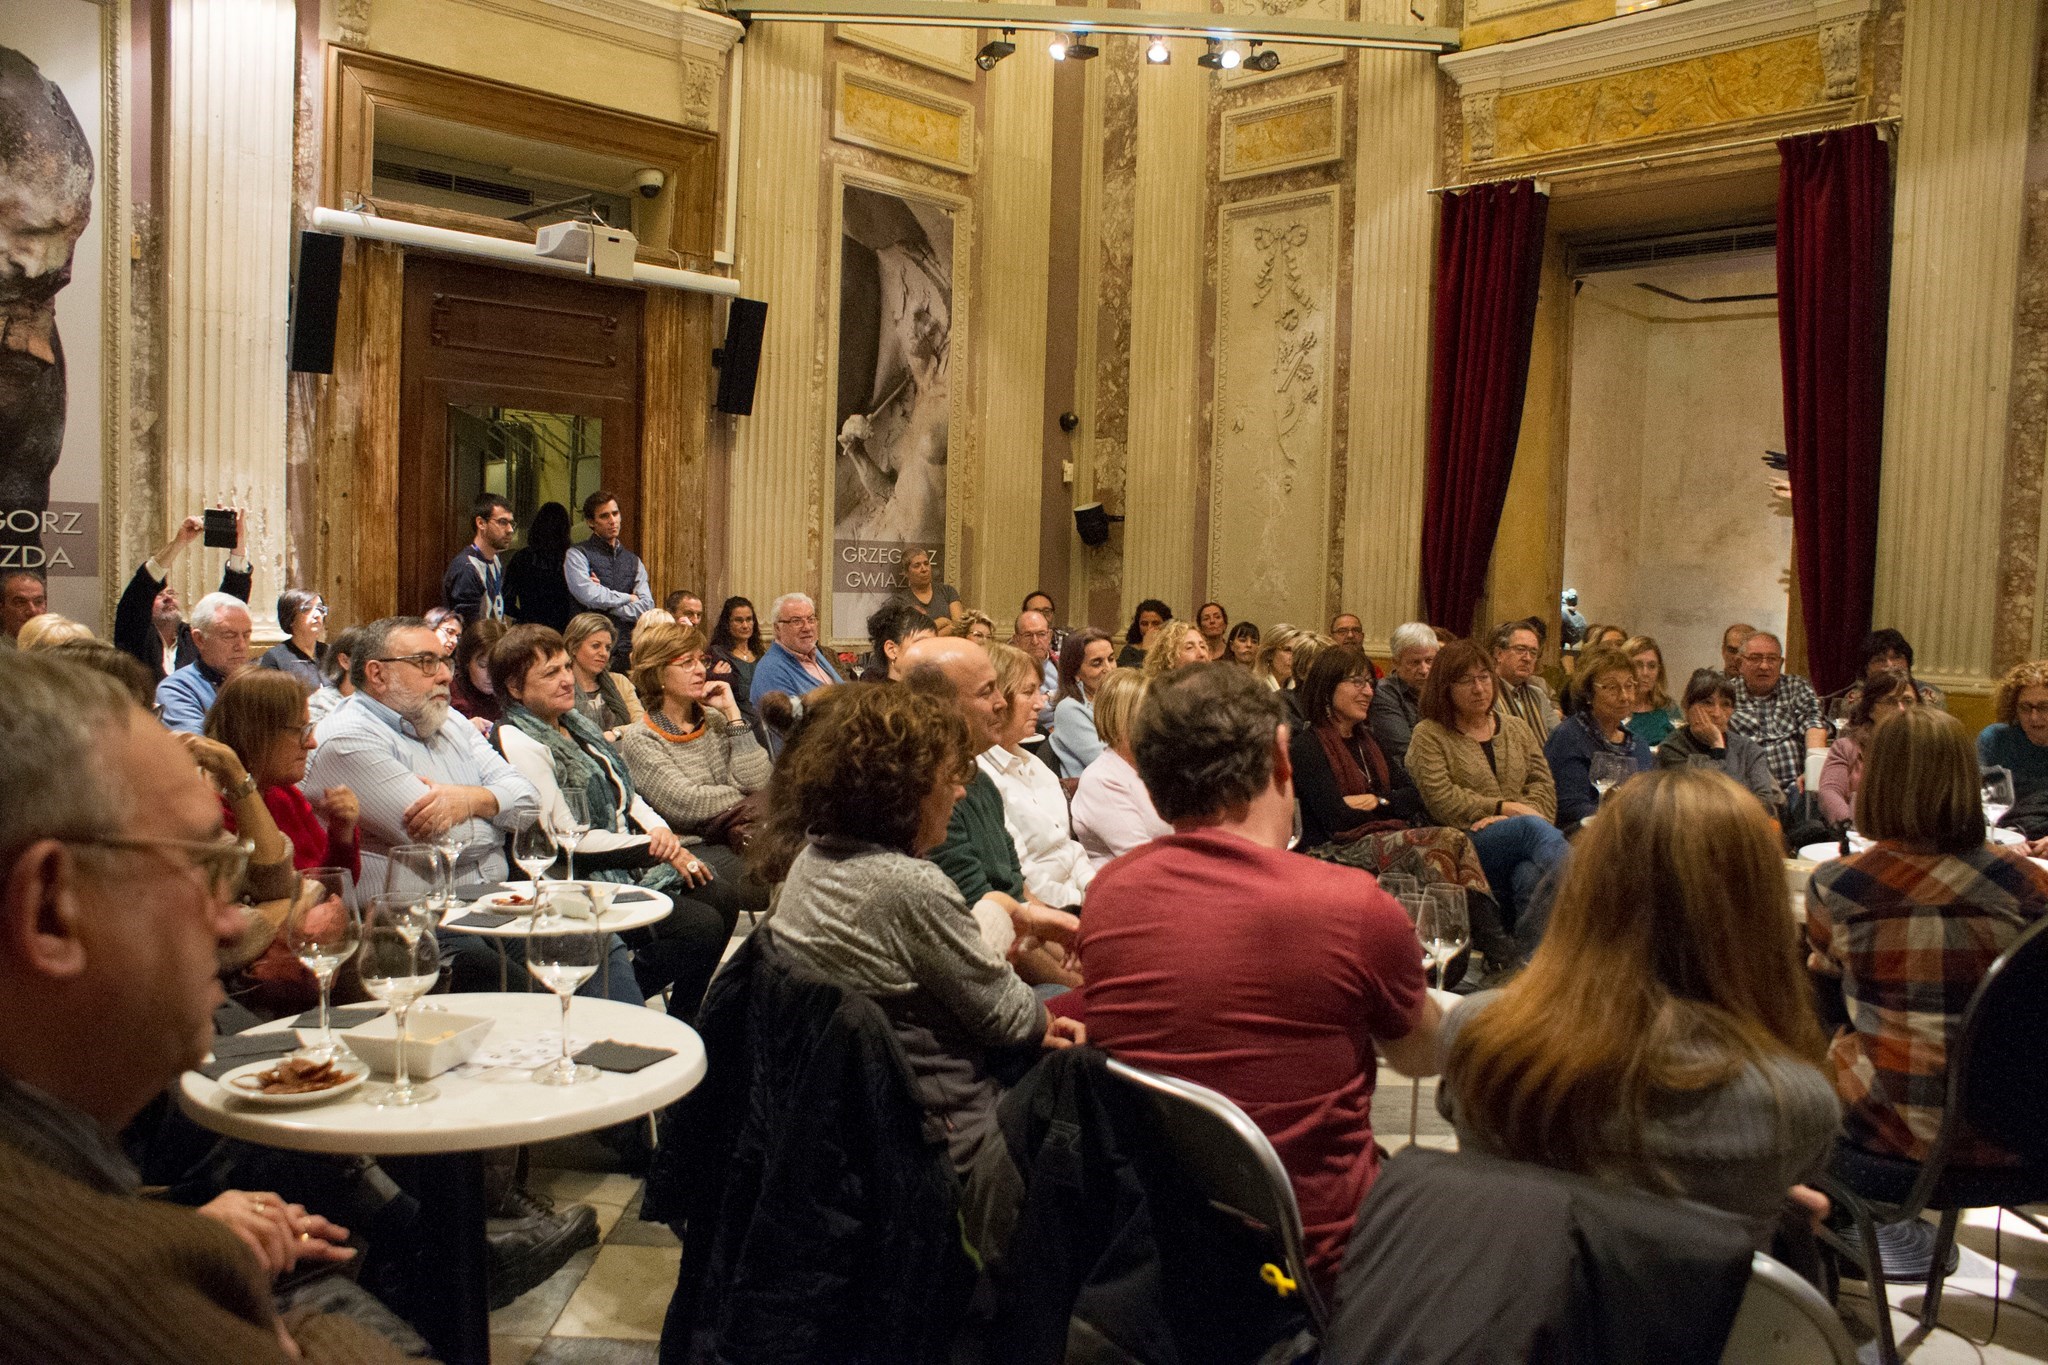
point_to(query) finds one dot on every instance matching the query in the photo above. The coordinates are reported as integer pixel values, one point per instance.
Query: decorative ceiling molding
(1650, 38)
(603, 19)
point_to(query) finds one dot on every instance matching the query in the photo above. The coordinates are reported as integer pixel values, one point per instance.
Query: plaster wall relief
(1283, 134)
(871, 110)
(1276, 311)
(2017, 631)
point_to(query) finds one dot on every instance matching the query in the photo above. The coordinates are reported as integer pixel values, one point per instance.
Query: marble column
(1166, 332)
(228, 270)
(775, 535)
(1010, 322)
(1393, 266)
(1966, 84)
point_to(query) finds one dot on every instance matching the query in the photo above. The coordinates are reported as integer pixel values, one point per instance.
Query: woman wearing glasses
(302, 616)
(1603, 699)
(2019, 741)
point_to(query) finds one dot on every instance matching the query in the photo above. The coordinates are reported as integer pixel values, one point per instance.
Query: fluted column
(1168, 226)
(1965, 84)
(774, 529)
(228, 270)
(1015, 237)
(1393, 265)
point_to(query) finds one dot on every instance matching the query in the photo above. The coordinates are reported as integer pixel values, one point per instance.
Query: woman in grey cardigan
(693, 758)
(1705, 740)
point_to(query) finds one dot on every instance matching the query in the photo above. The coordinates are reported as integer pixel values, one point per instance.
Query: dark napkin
(237, 1049)
(476, 891)
(610, 1056)
(629, 896)
(348, 1016)
(480, 919)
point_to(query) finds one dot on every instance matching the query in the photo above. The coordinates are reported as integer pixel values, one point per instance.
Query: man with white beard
(418, 769)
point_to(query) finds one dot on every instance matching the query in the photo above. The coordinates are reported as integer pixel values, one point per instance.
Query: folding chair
(1784, 1320)
(1235, 1167)
(1997, 1091)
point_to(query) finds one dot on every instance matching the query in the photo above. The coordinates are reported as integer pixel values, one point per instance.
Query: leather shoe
(522, 1252)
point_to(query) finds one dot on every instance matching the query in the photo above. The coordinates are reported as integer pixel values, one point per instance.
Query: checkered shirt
(1778, 723)
(1912, 935)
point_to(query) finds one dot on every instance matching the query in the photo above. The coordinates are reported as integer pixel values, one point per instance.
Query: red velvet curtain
(1489, 259)
(1834, 292)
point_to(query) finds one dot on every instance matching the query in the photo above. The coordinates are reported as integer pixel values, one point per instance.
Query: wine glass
(576, 824)
(398, 964)
(406, 909)
(421, 871)
(1997, 794)
(601, 895)
(533, 848)
(1443, 925)
(562, 954)
(1399, 884)
(323, 931)
(1607, 771)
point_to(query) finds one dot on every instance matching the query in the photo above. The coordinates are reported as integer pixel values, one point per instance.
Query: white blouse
(1055, 867)
(1113, 812)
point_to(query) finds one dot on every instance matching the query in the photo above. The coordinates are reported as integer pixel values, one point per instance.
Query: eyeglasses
(1615, 687)
(426, 661)
(2032, 708)
(221, 861)
(695, 661)
(1362, 681)
(1525, 650)
(1763, 658)
(1034, 635)
(796, 621)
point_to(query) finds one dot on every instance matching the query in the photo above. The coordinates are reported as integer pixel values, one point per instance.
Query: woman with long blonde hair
(1662, 1035)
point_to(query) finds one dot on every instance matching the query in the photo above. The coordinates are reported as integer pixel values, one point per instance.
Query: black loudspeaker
(316, 297)
(1092, 523)
(739, 360)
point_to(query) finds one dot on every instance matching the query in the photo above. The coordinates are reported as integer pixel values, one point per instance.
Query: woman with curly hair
(864, 789)
(2018, 743)
(1174, 645)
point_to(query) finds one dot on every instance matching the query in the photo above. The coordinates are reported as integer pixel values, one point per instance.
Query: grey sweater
(693, 782)
(1737, 1147)
(895, 928)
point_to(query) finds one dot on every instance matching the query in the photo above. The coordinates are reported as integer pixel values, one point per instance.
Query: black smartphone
(220, 528)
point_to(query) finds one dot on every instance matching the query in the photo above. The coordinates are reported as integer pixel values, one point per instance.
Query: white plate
(502, 902)
(2001, 835)
(1832, 849)
(358, 1073)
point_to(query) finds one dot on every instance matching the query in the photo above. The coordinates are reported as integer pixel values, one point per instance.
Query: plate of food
(518, 899)
(293, 1080)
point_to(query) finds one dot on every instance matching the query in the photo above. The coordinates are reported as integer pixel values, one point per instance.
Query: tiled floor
(605, 1306)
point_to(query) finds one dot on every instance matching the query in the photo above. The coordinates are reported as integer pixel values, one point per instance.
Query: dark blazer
(135, 633)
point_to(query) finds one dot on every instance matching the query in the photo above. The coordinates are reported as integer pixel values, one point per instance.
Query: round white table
(645, 908)
(497, 1108)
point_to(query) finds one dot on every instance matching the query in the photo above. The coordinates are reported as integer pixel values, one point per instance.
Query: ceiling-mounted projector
(606, 252)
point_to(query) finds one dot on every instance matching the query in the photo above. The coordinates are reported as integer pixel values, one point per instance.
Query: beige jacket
(1461, 788)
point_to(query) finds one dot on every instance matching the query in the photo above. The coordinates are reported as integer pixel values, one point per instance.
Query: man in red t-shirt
(1217, 955)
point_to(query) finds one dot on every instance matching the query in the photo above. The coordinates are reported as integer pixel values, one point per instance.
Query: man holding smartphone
(149, 622)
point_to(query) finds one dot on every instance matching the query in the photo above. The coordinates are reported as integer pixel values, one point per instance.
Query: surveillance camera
(649, 182)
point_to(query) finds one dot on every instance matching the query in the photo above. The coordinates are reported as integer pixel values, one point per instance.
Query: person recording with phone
(149, 621)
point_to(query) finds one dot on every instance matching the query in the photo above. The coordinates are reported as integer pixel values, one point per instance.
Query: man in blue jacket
(793, 664)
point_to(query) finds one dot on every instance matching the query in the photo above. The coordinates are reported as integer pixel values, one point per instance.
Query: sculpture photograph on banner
(894, 394)
(54, 239)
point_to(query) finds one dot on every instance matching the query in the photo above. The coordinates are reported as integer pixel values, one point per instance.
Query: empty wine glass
(421, 871)
(533, 848)
(562, 954)
(1399, 884)
(601, 895)
(406, 909)
(1997, 794)
(323, 931)
(1607, 771)
(575, 824)
(398, 964)
(1443, 925)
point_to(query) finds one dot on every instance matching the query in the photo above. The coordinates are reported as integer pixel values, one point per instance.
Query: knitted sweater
(691, 782)
(1458, 785)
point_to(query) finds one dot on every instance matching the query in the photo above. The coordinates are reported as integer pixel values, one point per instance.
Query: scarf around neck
(582, 759)
(1353, 780)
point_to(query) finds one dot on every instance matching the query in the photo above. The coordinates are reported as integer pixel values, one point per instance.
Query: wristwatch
(244, 789)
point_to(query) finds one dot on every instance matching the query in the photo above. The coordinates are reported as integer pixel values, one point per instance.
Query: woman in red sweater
(262, 716)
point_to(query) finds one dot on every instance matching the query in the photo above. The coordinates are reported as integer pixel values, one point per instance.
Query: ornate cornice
(1649, 38)
(701, 28)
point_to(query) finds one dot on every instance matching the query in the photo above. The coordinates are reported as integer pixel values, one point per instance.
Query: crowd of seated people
(1170, 854)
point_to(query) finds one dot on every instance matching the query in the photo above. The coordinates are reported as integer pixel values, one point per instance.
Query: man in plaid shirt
(1778, 710)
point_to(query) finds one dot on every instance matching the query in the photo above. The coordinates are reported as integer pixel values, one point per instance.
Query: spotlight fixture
(1221, 56)
(1078, 49)
(1159, 54)
(996, 49)
(1057, 48)
(1269, 60)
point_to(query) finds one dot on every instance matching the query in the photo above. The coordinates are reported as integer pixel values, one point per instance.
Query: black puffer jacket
(815, 1204)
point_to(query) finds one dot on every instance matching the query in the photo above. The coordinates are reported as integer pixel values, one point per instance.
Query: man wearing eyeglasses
(1778, 710)
(221, 632)
(1522, 695)
(419, 770)
(1033, 635)
(474, 586)
(149, 622)
(115, 897)
(793, 664)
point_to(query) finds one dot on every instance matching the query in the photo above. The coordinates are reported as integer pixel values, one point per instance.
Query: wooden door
(522, 383)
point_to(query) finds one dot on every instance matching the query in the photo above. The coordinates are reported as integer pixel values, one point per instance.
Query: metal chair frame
(1866, 1213)
(1784, 1319)
(1246, 1171)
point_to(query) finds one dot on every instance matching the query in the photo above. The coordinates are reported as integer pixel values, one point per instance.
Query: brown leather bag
(734, 826)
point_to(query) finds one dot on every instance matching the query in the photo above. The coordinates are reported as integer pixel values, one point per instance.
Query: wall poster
(894, 405)
(62, 267)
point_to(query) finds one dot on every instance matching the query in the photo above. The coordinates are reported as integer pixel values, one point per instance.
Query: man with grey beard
(418, 769)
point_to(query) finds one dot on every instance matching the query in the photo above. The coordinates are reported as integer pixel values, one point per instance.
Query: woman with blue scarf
(558, 749)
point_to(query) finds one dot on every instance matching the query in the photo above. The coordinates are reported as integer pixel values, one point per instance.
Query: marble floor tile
(533, 1313)
(596, 1188)
(625, 1294)
(513, 1350)
(596, 1351)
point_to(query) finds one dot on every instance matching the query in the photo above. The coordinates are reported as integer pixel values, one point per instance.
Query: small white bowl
(435, 1041)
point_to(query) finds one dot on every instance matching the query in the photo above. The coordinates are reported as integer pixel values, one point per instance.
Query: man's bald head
(959, 671)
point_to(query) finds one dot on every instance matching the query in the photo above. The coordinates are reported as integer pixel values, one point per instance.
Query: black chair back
(1998, 1074)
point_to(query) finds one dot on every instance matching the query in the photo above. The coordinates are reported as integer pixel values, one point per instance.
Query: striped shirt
(1912, 935)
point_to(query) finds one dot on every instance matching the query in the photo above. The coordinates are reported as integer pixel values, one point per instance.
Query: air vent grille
(454, 183)
(1592, 257)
